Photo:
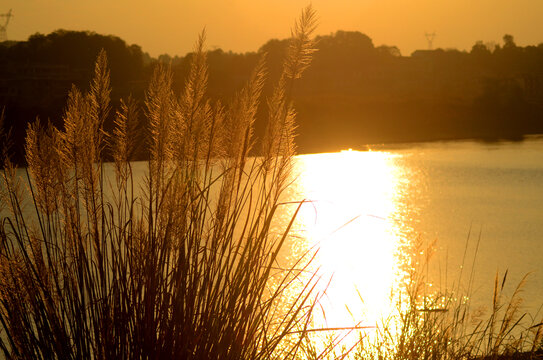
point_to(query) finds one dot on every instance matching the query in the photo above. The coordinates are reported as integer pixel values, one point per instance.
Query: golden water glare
(354, 198)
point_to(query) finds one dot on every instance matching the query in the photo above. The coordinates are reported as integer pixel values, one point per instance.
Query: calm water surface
(365, 212)
(367, 208)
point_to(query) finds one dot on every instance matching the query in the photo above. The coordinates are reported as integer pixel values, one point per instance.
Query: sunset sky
(171, 26)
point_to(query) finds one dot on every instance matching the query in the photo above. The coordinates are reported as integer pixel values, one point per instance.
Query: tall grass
(184, 263)
(178, 266)
(441, 323)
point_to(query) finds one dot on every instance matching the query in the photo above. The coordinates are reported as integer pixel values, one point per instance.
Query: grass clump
(96, 262)
(434, 323)
(175, 266)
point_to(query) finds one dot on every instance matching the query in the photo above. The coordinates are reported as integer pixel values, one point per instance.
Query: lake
(478, 206)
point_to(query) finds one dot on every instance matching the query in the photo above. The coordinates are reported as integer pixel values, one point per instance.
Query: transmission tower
(3, 27)
(430, 38)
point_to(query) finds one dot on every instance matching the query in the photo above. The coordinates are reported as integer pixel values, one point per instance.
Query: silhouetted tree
(508, 42)
(354, 93)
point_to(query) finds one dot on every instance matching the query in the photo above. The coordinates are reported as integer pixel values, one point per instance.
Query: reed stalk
(440, 323)
(176, 265)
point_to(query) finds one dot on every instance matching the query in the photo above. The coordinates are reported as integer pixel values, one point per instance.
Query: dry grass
(441, 324)
(184, 263)
(178, 267)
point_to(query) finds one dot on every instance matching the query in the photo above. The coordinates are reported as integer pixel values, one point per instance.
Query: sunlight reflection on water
(351, 218)
(368, 211)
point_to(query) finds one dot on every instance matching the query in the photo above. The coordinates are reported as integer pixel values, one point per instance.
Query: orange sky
(171, 26)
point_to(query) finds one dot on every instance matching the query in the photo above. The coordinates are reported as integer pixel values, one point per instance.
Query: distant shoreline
(403, 145)
(353, 94)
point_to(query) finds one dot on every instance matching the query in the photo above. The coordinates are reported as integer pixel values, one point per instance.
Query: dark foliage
(354, 94)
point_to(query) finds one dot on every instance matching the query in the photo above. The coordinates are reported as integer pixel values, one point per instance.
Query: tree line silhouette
(353, 94)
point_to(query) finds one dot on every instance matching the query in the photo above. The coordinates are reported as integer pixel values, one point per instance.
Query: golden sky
(172, 26)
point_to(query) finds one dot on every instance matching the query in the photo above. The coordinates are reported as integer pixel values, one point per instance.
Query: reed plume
(177, 264)
(439, 324)
(125, 135)
(182, 262)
